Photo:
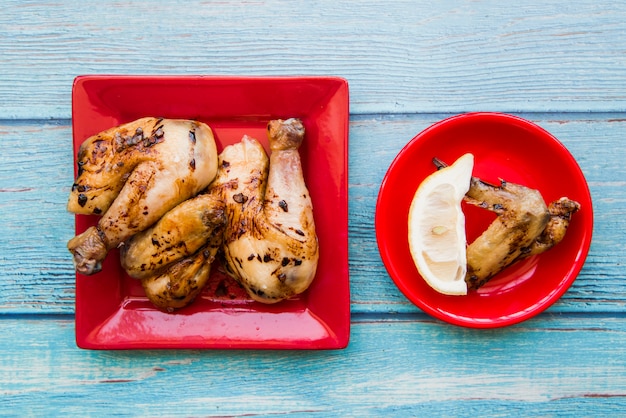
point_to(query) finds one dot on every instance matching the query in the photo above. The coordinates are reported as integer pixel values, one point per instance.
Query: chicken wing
(270, 243)
(522, 216)
(132, 175)
(561, 212)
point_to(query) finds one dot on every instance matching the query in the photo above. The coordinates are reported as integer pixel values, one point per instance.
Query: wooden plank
(36, 272)
(411, 57)
(558, 366)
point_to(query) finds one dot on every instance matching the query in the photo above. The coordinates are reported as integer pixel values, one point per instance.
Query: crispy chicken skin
(173, 257)
(561, 212)
(133, 174)
(180, 233)
(522, 216)
(270, 245)
(182, 281)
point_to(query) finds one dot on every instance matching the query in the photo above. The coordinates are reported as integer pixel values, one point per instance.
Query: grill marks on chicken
(133, 174)
(257, 211)
(524, 227)
(561, 211)
(173, 258)
(180, 233)
(522, 216)
(181, 282)
(270, 245)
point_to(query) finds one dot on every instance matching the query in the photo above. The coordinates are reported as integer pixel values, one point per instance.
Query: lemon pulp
(437, 238)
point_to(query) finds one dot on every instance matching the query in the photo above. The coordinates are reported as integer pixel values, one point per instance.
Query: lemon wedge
(437, 227)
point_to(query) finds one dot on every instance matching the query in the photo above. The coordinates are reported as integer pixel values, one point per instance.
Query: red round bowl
(505, 147)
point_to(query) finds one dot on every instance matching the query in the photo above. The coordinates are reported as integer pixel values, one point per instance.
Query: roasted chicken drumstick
(132, 175)
(270, 244)
(179, 283)
(173, 257)
(180, 233)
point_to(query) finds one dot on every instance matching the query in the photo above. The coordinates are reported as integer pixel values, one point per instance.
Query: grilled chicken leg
(180, 233)
(270, 244)
(173, 257)
(180, 282)
(132, 175)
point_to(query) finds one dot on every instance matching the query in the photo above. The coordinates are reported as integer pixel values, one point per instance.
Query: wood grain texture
(448, 56)
(407, 366)
(36, 271)
(34, 172)
(408, 64)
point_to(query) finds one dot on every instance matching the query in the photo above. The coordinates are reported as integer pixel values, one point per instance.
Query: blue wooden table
(409, 64)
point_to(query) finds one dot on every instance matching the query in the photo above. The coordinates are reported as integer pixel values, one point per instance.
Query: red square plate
(111, 310)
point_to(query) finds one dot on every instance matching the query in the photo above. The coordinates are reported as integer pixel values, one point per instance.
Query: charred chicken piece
(181, 282)
(561, 212)
(522, 217)
(173, 257)
(132, 175)
(270, 244)
(180, 233)
(524, 226)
